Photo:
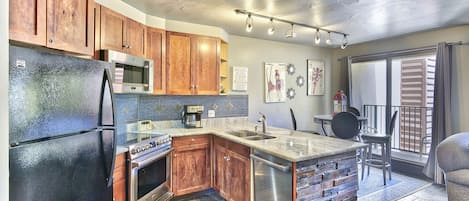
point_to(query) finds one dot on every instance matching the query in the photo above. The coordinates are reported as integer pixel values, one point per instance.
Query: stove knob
(139, 150)
(133, 151)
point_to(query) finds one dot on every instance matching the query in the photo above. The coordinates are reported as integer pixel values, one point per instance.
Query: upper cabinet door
(112, 30)
(178, 65)
(205, 64)
(70, 25)
(28, 21)
(135, 37)
(156, 50)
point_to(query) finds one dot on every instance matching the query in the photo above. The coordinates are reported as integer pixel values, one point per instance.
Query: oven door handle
(146, 161)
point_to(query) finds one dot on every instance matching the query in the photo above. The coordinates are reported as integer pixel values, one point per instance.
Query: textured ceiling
(364, 20)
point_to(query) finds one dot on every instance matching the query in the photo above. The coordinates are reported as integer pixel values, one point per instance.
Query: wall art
(315, 76)
(275, 89)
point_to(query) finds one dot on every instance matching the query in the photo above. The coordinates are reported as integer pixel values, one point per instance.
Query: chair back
(354, 111)
(293, 119)
(392, 124)
(345, 125)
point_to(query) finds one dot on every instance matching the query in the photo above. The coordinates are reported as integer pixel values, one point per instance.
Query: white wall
(252, 53)
(4, 100)
(460, 94)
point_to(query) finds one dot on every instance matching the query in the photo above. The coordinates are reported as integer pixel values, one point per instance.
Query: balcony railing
(412, 132)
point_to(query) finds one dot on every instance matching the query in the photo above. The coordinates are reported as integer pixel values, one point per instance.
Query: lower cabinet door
(239, 177)
(120, 190)
(191, 169)
(221, 178)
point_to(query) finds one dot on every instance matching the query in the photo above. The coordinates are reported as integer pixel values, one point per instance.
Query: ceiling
(364, 20)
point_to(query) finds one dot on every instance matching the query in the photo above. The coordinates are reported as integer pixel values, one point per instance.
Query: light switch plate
(211, 113)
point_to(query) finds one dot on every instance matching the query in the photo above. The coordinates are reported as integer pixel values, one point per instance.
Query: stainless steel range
(149, 167)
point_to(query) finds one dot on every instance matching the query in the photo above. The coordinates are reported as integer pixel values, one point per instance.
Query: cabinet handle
(228, 158)
(224, 158)
(130, 47)
(51, 40)
(192, 139)
(175, 155)
(196, 86)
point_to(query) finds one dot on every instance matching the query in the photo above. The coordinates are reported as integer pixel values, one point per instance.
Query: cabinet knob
(51, 40)
(130, 47)
(192, 139)
(228, 158)
(196, 86)
(224, 157)
(175, 155)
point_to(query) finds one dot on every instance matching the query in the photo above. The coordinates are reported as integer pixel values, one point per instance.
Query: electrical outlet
(211, 113)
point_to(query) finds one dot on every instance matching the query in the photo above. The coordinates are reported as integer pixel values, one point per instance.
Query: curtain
(441, 109)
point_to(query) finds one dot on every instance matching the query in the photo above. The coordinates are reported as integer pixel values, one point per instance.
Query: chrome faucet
(263, 120)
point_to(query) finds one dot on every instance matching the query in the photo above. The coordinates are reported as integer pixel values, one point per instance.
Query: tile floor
(426, 192)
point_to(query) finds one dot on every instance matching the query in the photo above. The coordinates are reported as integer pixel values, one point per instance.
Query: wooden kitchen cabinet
(192, 64)
(156, 50)
(232, 170)
(120, 33)
(28, 21)
(205, 63)
(120, 181)
(66, 25)
(190, 170)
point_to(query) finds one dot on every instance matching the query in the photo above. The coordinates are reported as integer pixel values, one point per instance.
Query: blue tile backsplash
(133, 107)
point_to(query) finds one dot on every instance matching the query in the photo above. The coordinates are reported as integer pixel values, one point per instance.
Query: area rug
(372, 188)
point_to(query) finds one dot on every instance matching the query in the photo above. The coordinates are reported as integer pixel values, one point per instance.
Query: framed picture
(315, 77)
(275, 89)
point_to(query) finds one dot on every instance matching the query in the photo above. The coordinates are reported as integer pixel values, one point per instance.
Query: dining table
(327, 118)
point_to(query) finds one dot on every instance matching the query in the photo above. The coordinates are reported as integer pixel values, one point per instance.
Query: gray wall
(252, 53)
(460, 95)
(4, 100)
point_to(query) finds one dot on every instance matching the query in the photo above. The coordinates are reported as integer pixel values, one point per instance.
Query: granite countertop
(291, 145)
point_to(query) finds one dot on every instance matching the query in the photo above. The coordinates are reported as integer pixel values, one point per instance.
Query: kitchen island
(322, 168)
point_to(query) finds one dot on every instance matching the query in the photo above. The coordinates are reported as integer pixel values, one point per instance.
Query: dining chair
(383, 139)
(354, 111)
(293, 119)
(345, 125)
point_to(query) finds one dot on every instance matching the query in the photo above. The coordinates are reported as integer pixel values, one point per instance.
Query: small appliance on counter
(192, 116)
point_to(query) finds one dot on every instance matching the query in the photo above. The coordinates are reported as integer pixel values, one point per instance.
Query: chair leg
(369, 157)
(383, 159)
(363, 155)
(421, 147)
(389, 159)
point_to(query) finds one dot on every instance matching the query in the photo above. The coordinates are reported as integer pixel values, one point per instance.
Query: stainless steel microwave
(130, 74)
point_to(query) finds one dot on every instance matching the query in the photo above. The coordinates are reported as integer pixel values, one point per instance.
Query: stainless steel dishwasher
(272, 177)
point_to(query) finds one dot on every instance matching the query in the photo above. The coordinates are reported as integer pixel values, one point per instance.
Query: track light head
(249, 25)
(344, 42)
(290, 33)
(329, 39)
(271, 30)
(317, 38)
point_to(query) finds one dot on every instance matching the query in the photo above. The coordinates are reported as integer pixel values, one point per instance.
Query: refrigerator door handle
(108, 97)
(110, 172)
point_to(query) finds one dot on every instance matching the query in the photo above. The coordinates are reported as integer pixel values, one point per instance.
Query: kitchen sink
(259, 137)
(243, 133)
(249, 135)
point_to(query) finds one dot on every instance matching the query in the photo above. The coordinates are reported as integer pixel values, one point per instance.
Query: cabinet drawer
(238, 148)
(191, 140)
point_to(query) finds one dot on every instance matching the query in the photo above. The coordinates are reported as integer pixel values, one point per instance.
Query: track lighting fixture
(317, 38)
(290, 33)
(271, 30)
(344, 42)
(249, 23)
(329, 40)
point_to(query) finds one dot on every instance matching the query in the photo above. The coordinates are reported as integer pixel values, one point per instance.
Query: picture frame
(315, 77)
(275, 82)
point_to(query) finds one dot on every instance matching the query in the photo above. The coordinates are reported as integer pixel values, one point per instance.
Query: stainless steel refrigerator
(62, 137)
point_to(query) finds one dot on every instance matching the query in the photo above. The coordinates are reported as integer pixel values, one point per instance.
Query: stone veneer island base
(329, 178)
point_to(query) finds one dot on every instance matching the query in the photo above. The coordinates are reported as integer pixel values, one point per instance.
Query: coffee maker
(192, 116)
